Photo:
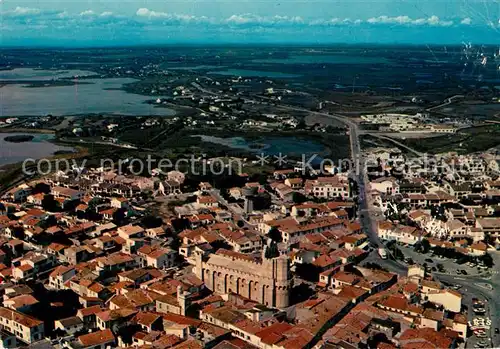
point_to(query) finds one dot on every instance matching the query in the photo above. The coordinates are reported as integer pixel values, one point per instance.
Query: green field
(470, 140)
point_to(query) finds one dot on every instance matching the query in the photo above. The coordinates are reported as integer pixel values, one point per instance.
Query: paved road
(117, 145)
(367, 222)
(201, 89)
(235, 209)
(472, 286)
(416, 152)
(389, 264)
(479, 287)
(447, 102)
(366, 219)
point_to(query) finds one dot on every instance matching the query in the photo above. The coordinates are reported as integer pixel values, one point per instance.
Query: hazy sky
(104, 22)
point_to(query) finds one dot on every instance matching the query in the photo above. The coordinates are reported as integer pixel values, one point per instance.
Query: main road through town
(476, 286)
(359, 174)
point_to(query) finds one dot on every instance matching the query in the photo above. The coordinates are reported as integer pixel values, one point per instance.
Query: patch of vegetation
(275, 235)
(308, 272)
(466, 141)
(19, 138)
(272, 251)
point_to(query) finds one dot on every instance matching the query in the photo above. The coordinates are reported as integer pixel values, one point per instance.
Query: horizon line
(234, 44)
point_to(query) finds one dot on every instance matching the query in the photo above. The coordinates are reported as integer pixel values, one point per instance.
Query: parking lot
(466, 278)
(479, 321)
(480, 337)
(442, 265)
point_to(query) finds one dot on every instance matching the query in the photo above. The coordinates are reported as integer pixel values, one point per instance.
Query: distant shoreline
(237, 45)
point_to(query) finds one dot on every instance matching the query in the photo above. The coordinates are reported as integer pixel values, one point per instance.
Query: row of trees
(395, 251)
(450, 253)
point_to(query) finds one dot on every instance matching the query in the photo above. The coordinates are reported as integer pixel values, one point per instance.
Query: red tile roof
(274, 333)
(423, 338)
(97, 338)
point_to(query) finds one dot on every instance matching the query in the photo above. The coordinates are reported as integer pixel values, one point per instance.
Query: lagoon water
(38, 148)
(26, 74)
(324, 59)
(91, 96)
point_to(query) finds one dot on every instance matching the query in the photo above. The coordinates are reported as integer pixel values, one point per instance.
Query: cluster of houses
(82, 266)
(452, 201)
(406, 123)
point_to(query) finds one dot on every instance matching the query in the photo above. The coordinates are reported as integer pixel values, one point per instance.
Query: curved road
(448, 102)
(472, 284)
(367, 222)
(417, 153)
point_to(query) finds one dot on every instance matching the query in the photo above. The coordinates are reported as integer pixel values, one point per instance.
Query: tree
(41, 188)
(375, 340)
(18, 232)
(151, 221)
(487, 260)
(176, 243)
(179, 224)
(126, 331)
(426, 246)
(397, 253)
(48, 222)
(308, 272)
(275, 235)
(298, 198)
(50, 204)
(119, 215)
(261, 178)
(301, 125)
(220, 244)
(224, 192)
(272, 251)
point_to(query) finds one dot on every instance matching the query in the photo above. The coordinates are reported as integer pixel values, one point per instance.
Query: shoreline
(78, 150)
(142, 100)
(7, 171)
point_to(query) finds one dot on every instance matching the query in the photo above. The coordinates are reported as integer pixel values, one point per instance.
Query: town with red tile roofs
(89, 261)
